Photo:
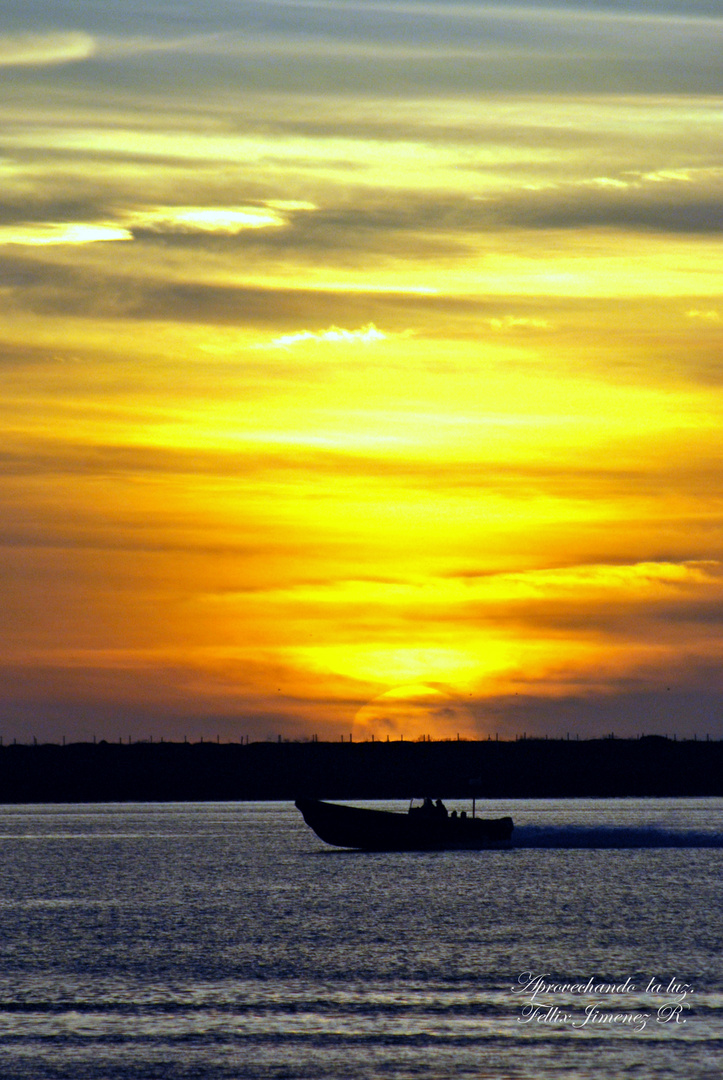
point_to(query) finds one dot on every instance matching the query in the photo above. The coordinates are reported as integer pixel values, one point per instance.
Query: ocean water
(225, 942)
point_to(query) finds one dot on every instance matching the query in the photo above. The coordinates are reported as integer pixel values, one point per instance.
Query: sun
(413, 711)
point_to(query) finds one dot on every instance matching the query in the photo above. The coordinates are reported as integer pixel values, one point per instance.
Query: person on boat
(430, 809)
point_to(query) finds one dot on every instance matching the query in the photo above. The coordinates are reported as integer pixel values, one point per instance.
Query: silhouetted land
(530, 768)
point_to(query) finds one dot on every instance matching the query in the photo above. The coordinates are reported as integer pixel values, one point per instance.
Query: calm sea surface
(225, 942)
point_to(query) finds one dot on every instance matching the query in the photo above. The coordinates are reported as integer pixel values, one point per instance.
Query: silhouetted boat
(384, 830)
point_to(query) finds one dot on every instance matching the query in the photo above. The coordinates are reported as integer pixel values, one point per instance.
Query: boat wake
(612, 836)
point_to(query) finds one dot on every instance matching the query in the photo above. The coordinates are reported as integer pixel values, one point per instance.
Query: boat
(427, 828)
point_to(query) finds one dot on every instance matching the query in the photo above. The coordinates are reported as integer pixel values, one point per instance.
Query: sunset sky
(362, 368)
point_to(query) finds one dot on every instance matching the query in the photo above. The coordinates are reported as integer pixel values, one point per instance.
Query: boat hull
(382, 830)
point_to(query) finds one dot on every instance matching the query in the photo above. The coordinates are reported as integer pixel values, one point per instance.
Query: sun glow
(414, 711)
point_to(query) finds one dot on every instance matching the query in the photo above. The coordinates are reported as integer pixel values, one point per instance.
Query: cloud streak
(44, 234)
(31, 49)
(334, 335)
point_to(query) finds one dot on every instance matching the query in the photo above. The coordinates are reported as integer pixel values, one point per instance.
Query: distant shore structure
(158, 770)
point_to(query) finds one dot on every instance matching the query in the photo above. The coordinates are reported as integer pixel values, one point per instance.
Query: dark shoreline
(651, 766)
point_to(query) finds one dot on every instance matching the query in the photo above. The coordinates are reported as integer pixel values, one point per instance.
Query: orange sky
(361, 370)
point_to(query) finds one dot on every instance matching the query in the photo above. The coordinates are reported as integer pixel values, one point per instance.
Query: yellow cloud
(632, 581)
(514, 322)
(334, 335)
(32, 49)
(202, 219)
(71, 232)
(628, 179)
(205, 219)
